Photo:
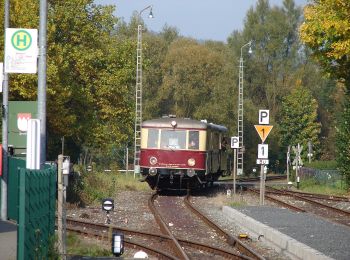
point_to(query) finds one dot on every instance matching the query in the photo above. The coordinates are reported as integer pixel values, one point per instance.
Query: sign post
(288, 163)
(234, 146)
(263, 130)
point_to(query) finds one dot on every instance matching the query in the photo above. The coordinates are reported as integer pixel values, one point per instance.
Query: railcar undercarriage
(179, 179)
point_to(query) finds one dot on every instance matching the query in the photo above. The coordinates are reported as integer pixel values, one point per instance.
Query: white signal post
(297, 162)
(263, 129)
(234, 146)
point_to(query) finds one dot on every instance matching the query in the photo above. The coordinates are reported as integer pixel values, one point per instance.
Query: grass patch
(235, 203)
(322, 165)
(232, 201)
(91, 187)
(78, 246)
(312, 186)
(128, 182)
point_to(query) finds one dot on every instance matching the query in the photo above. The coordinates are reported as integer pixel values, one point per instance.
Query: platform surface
(326, 237)
(8, 240)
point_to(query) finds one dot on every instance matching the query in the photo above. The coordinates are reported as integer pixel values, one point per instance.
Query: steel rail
(103, 227)
(245, 250)
(150, 250)
(215, 250)
(280, 202)
(254, 179)
(320, 196)
(345, 212)
(176, 246)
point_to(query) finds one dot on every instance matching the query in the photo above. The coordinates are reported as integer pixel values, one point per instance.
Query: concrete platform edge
(273, 237)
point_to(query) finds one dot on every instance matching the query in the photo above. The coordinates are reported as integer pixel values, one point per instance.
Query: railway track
(247, 180)
(242, 251)
(102, 231)
(319, 196)
(163, 245)
(306, 202)
(233, 241)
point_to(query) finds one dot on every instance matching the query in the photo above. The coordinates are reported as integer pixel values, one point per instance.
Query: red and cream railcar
(180, 153)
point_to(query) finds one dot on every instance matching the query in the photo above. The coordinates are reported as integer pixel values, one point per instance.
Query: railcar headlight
(173, 123)
(152, 171)
(191, 173)
(153, 160)
(191, 162)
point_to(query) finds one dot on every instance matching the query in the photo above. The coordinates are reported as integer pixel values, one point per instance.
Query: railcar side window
(171, 139)
(152, 141)
(216, 141)
(193, 140)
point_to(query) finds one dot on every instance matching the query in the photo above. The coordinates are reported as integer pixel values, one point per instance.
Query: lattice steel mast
(240, 157)
(138, 95)
(138, 100)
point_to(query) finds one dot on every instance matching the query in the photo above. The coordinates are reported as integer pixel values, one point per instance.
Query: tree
(89, 76)
(326, 31)
(343, 141)
(270, 71)
(155, 49)
(298, 120)
(190, 79)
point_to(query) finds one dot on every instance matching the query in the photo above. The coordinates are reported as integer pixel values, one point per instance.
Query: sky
(199, 19)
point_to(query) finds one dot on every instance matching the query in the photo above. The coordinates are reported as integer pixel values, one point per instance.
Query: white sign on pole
(263, 151)
(1, 75)
(234, 142)
(264, 117)
(262, 161)
(21, 50)
(33, 145)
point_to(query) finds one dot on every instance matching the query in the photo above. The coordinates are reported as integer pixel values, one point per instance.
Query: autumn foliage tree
(298, 120)
(90, 76)
(326, 31)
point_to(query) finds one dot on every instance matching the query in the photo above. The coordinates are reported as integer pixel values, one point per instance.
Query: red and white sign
(22, 121)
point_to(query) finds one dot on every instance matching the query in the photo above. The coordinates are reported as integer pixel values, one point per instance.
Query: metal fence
(33, 205)
(327, 177)
(15, 164)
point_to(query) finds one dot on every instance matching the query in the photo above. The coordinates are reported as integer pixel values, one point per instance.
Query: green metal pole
(21, 215)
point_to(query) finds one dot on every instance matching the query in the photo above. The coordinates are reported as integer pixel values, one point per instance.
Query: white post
(60, 198)
(33, 145)
(261, 184)
(234, 170)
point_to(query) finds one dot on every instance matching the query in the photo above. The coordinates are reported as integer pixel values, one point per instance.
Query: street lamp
(138, 94)
(240, 111)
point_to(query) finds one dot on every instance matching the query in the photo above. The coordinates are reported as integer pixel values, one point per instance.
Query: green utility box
(19, 113)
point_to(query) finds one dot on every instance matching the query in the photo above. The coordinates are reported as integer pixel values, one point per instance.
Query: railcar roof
(182, 123)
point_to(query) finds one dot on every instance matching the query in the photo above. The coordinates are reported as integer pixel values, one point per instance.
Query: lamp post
(138, 94)
(240, 111)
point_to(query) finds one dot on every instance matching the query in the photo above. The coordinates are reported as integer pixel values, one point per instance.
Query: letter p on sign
(264, 117)
(234, 142)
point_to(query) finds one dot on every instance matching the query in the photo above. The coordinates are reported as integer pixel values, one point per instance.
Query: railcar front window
(152, 141)
(193, 140)
(173, 139)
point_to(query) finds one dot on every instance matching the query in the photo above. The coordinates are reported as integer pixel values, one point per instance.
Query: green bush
(322, 165)
(91, 187)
